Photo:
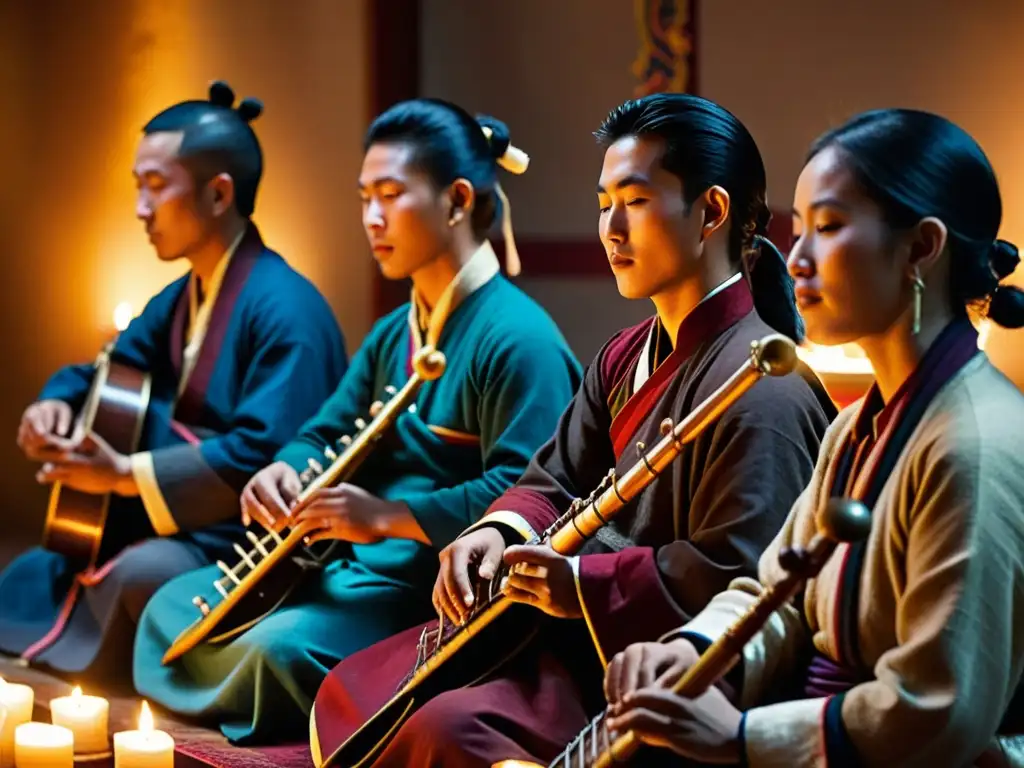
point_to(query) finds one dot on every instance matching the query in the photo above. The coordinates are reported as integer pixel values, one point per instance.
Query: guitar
(115, 409)
(355, 715)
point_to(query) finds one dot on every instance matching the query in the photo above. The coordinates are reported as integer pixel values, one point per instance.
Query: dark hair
(448, 144)
(915, 165)
(217, 139)
(706, 146)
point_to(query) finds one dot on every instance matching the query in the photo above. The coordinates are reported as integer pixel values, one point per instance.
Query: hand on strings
(348, 513)
(478, 551)
(44, 429)
(542, 578)
(89, 465)
(269, 495)
(705, 729)
(647, 664)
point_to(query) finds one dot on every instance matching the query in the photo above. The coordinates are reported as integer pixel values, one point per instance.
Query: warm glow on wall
(846, 358)
(844, 370)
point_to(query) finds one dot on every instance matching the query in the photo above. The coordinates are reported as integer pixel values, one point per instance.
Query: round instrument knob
(200, 603)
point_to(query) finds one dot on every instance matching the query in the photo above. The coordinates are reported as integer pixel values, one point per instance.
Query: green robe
(509, 376)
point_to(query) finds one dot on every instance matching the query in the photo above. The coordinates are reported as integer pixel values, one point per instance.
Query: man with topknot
(241, 350)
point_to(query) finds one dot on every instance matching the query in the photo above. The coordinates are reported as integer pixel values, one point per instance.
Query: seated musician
(430, 194)
(682, 218)
(241, 350)
(914, 639)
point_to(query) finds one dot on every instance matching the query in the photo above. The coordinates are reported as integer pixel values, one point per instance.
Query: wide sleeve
(570, 463)
(523, 389)
(744, 478)
(938, 696)
(296, 360)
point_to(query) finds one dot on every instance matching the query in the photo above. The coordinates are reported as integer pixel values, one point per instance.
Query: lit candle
(144, 748)
(38, 745)
(17, 701)
(86, 717)
(123, 315)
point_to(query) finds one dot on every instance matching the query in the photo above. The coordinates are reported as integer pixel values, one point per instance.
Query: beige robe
(941, 614)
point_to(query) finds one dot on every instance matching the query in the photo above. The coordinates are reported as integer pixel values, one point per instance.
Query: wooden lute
(115, 409)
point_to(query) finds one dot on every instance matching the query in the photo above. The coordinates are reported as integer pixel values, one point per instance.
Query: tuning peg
(200, 603)
(666, 426)
(412, 408)
(305, 476)
(360, 424)
(316, 466)
(330, 454)
(376, 408)
(345, 440)
(390, 390)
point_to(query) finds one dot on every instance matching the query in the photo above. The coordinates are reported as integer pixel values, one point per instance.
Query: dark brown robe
(693, 530)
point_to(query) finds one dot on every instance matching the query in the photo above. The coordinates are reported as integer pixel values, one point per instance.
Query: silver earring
(918, 287)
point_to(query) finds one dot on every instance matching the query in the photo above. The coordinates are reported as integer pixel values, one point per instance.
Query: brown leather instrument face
(268, 572)
(497, 629)
(114, 409)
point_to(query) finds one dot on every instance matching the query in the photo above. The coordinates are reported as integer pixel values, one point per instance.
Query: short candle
(17, 700)
(144, 748)
(38, 745)
(86, 717)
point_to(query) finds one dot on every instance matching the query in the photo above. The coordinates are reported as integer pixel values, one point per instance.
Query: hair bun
(505, 154)
(221, 94)
(250, 109)
(1006, 307)
(1004, 258)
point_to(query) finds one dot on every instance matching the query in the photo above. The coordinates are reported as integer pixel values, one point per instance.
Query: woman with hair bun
(914, 637)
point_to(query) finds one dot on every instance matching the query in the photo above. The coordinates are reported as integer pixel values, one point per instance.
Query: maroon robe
(694, 529)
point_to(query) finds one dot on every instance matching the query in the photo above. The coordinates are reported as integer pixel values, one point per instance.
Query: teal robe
(509, 376)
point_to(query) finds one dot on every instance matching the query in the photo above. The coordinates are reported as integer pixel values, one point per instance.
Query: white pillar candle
(17, 700)
(84, 716)
(38, 745)
(144, 748)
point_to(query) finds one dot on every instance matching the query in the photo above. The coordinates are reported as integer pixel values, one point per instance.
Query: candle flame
(77, 692)
(145, 718)
(122, 315)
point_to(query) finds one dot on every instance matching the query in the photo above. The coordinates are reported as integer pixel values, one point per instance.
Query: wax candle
(84, 716)
(144, 748)
(38, 745)
(17, 701)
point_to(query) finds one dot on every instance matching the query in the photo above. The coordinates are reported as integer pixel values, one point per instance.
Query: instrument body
(267, 573)
(115, 409)
(503, 635)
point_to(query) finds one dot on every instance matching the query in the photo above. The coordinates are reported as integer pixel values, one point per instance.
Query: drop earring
(918, 287)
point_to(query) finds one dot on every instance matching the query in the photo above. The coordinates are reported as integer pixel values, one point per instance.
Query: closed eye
(825, 228)
(636, 201)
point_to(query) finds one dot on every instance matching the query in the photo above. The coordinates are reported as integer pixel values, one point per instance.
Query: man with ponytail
(430, 195)
(682, 215)
(240, 350)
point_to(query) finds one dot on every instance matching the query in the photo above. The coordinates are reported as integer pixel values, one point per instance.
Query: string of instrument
(265, 575)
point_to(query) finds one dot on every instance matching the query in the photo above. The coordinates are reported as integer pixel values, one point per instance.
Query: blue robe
(272, 353)
(509, 375)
